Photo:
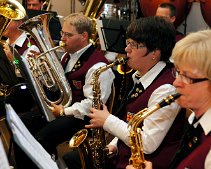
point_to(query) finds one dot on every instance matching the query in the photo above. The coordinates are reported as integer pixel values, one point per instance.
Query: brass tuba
(46, 5)
(95, 148)
(92, 9)
(44, 72)
(9, 10)
(137, 152)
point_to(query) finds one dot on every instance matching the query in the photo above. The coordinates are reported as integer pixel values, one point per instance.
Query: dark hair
(155, 32)
(171, 7)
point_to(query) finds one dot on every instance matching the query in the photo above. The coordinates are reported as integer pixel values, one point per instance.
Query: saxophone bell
(95, 146)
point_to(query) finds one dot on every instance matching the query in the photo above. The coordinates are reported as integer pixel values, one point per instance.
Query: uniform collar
(19, 41)
(204, 121)
(148, 78)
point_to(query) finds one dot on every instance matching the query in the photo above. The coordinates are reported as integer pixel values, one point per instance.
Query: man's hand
(98, 117)
(57, 110)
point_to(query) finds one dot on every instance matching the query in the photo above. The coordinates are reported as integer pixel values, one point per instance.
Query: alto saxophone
(97, 142)
(137, 155)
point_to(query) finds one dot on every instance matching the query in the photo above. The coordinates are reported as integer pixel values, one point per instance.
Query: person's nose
(63, 38)
(177, 82)
(127, 49)
(29, 6)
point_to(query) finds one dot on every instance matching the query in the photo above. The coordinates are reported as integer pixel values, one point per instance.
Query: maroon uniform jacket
(166, 151)
(76, 77)
(196, 159)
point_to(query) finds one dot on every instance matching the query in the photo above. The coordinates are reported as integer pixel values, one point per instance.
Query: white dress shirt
(19, 42)
(156, 125)
(79, 109)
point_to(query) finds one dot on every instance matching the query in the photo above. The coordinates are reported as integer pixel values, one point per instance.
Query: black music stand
(112, 34)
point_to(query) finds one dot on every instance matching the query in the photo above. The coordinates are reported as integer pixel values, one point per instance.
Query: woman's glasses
(187, 80)
(134, 45)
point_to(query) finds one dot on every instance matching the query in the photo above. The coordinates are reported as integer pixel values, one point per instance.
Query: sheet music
(27, 142)
(100, 33)
(4, 164)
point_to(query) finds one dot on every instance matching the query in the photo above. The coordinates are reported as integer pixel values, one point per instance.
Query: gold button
(190, 144)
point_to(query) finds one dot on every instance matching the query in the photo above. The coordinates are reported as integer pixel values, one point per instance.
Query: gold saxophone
(137, 155)
(97, 143)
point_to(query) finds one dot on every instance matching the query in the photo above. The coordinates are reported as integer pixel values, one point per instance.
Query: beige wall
(65, 7)
(195, 20)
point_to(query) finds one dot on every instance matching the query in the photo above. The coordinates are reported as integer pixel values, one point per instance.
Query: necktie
(136, 91)
(191, 139)
(65, 60)
(133, 93)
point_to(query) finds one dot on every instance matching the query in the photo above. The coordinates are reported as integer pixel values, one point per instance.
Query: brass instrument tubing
(50, 50)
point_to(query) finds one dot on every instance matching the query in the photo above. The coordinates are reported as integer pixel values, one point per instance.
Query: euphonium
(44, 72)
(96, 147)
(9, 10)
(137, 152)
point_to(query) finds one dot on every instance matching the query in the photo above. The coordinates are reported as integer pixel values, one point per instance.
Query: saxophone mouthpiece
(176, 96)
(121, 60)
(169, 99)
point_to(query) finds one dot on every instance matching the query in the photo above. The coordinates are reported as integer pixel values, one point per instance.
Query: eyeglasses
(134, 45)
(68, 34)
(188, 80)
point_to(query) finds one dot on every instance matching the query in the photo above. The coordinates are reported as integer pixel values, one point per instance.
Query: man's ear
(173, 18)
(85, 36)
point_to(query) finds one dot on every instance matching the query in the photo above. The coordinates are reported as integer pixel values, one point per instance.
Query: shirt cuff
(117, 128)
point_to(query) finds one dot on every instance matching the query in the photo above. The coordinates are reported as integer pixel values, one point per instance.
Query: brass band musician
(18, 42)
(79, 62)
(193, 83)
(150, 41)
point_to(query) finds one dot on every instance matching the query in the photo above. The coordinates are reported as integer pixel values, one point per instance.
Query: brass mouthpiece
(62, 44)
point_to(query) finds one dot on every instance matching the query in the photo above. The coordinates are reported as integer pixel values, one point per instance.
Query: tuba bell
(92, 9)
(9, 10)
(44, 73)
